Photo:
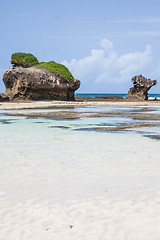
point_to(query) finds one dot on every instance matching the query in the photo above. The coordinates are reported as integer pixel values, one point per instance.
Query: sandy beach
(61, 181)
(52, 104)
(89, 219)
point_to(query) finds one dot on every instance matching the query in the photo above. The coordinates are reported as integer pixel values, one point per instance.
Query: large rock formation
(36, 84)
(34, 80)
(141, 88)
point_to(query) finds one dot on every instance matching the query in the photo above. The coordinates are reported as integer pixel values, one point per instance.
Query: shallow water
(47, 159)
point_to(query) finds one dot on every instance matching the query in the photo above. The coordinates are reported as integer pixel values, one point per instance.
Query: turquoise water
(151, 96)
(58, 160)
(99, 94)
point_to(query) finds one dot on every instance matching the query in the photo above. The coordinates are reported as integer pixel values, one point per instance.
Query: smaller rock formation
(141, 88)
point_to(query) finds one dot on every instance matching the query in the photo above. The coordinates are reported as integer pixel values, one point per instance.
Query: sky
(104, 43)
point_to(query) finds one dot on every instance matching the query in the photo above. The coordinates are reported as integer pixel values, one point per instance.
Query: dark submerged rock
(141, 88)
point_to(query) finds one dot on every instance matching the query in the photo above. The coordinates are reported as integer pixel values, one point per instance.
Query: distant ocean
(92, 95)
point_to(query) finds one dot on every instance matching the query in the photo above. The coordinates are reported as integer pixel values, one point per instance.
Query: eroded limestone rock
(141, 88)
(36, 84)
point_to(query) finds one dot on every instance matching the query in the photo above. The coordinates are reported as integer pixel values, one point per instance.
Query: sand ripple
(108, 219)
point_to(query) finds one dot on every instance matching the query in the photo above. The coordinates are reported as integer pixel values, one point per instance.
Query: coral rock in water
(141, 88)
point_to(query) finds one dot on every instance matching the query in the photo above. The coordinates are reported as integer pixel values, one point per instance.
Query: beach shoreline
(80, 102)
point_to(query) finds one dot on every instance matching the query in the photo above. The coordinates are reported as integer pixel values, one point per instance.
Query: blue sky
(104, 43)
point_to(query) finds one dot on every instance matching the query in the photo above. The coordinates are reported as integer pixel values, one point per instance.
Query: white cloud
(104, 65)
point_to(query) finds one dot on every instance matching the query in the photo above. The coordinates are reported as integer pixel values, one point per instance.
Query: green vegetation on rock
(56, 68)
(24, 59)
(29, 60)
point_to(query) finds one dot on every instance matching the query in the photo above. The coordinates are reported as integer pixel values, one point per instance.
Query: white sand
(130, 171)
(99, 219)
(43, 104)
(122, 164)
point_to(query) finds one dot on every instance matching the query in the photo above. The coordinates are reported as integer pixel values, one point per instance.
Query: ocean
(92, 95)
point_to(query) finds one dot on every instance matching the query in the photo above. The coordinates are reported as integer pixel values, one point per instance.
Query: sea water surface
(92, 95)
(61, 160)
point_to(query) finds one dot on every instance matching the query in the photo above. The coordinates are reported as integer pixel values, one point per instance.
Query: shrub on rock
(24, 59)
(29, 60)
(58, 68)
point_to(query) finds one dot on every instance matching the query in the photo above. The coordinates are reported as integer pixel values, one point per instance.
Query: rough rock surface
(35, 84)
(3, 97)
(141, 88)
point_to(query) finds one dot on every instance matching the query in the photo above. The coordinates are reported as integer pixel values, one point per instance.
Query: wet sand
(78, 103)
